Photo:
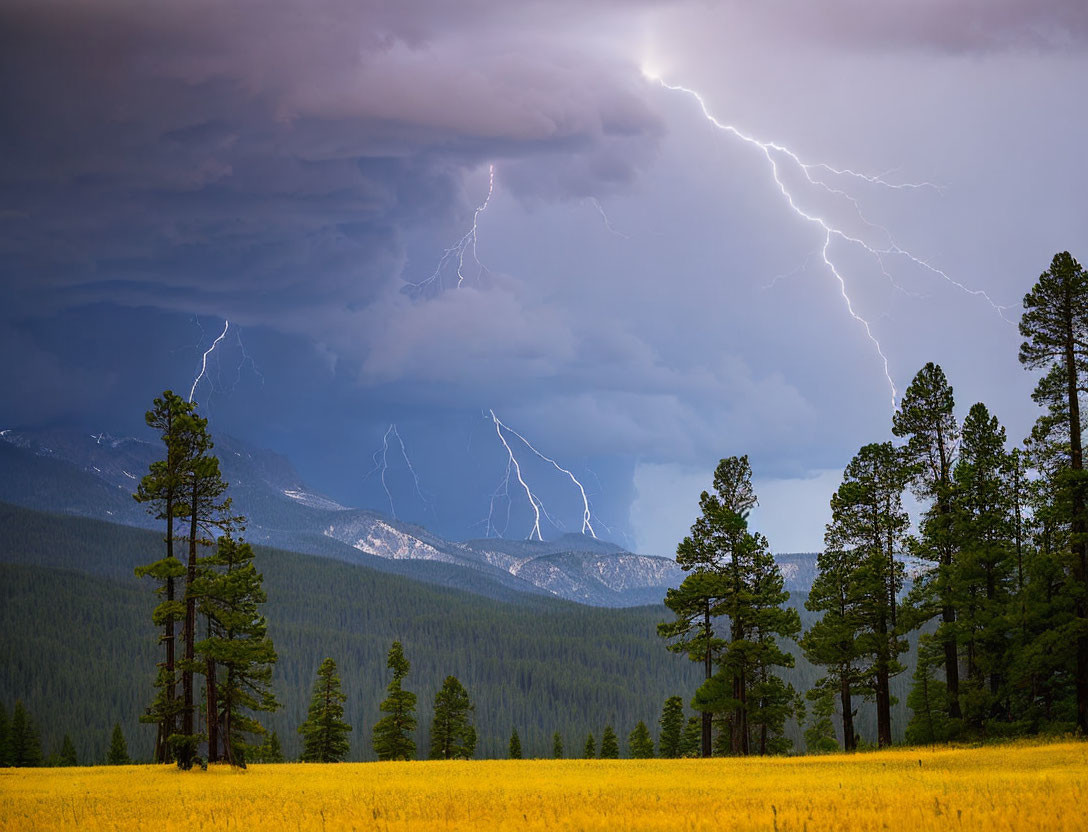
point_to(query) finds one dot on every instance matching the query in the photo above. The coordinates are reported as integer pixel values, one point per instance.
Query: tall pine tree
(926, 420)
(1055, 331)
(161, 489)
(746, 585)
(324, 733)
(393, 732)
(866, 533)
(453, 736)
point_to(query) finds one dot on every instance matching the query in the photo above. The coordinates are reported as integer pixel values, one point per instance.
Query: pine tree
(672, 728)
(324, 733)
(557, 746)
(207, 513)
(984, 527)
(515, 745)
(161, 488)
(710, 553)
(26, 746)
(5, 739)
(590, 750)
(271, 750)
(231, 592)
(690, 743)
(831, 641)
(925, 418)
(640, 742)
(118, 753)
(1055, 331)
(748, 588)
(393, 732)
(610, 744)
(866, 533)
(452, 734)
(187, 490)
(68, 752)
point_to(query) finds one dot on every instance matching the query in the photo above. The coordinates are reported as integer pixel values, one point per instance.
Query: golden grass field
(1009, 787)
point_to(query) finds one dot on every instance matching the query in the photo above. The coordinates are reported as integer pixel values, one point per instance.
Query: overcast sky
(642, 301)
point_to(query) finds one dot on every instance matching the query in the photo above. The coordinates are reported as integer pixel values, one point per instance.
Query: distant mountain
(93, 474)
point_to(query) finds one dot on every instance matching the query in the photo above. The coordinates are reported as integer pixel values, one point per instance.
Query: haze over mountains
(93, 474)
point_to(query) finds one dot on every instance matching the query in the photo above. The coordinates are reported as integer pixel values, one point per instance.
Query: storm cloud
(295, 166)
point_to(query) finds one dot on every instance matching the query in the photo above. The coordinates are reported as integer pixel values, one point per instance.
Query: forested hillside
(79, 652)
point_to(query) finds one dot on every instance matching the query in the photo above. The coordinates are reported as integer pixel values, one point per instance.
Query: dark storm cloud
(197, 154)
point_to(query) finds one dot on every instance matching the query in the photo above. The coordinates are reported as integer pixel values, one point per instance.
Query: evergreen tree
(672, 728)
(187, 490)
(820, 734)
(590, 750)
(831, 641)
(640, 742)
(207, 513)
(231, 595)
(271, 751)
(118, 753)
(610, 744)
(983, 575)
(26, 746)
(691, 741)
(161, 488)
(1055, 331)
(68, 752)
(393, 732)
(5, 739)
(748, 588)
(515, 745)
(557, 746)
(927, 699)
(324, 733)
(925, 419)
(866, 533)
(452, 735)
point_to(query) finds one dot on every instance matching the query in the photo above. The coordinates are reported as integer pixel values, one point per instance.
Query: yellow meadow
(1012, 787)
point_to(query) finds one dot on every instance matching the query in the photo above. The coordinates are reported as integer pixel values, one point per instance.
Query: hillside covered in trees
(81, 653)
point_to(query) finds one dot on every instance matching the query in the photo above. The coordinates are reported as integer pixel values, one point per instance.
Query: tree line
(21, 745)
(997, 599)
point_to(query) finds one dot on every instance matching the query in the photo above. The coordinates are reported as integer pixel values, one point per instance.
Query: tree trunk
(948, 612)
(708, 667)
(951, 654)
(883, 707)
(883, 690)
(169, 724)
(847, 713)
(185, 759)
(213, 713)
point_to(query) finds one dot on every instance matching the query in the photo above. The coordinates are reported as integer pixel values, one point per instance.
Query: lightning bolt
(534, 501)
(380, 457)
(204, 360)
(777, 154)
(467, 243)
(246, 359)
(592, 200)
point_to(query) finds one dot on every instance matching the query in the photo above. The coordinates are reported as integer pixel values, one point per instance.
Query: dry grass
(1013, 787)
